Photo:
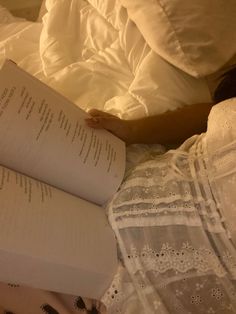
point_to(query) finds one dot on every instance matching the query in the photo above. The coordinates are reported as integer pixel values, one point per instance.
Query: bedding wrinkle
(176, 239)
(112, 11)
(99, 37)
(142, 13)
(180, 31)
(96, 35)
(23, 47)
(173, 40)
(14, 30)
(60, 34)
(152, 87)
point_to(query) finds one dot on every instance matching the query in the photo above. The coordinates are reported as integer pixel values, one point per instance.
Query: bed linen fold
(92, 53)
(99, 59)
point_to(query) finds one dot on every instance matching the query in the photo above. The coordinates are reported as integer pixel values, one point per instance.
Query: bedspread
(176, 250)
(92, 53)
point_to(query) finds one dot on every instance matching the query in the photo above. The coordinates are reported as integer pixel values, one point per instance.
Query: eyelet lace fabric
(178, 253)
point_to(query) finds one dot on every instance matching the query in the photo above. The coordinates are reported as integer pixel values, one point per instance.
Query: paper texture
(44, 135)
(52, 240)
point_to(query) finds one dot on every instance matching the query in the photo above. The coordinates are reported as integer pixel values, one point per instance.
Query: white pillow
(197, 36)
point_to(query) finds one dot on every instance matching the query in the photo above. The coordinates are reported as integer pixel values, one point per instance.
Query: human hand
(103, 120)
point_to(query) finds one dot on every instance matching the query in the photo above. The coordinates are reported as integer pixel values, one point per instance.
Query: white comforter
(92, 53)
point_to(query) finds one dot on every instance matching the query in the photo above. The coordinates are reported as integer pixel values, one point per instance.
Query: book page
(44, 135)
(53, 240)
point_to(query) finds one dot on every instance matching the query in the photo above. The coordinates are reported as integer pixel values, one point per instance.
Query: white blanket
(92, 53)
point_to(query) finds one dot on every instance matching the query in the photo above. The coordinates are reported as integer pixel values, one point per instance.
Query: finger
(99, 113)
(100, 123)
(94, 111)
(93, 123)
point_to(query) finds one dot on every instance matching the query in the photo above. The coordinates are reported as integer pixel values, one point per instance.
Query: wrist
(129, 129)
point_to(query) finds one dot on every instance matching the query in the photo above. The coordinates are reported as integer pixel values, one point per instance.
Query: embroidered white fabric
(171, 220)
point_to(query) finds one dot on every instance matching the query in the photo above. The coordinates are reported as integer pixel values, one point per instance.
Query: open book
(54, 169)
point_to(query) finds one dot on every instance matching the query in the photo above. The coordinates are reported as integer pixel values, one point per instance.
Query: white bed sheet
(93, 54)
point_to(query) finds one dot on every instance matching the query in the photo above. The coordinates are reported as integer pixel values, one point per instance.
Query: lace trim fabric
(173, 189)
(173, 239)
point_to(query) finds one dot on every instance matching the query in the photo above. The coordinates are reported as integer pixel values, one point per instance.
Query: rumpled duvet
(92, 53)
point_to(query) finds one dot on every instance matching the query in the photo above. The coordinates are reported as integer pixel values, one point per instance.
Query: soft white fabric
(221, 147)
(196, 36)
(174, 219)
(98, 58)
(6, 17)
(93, 54)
